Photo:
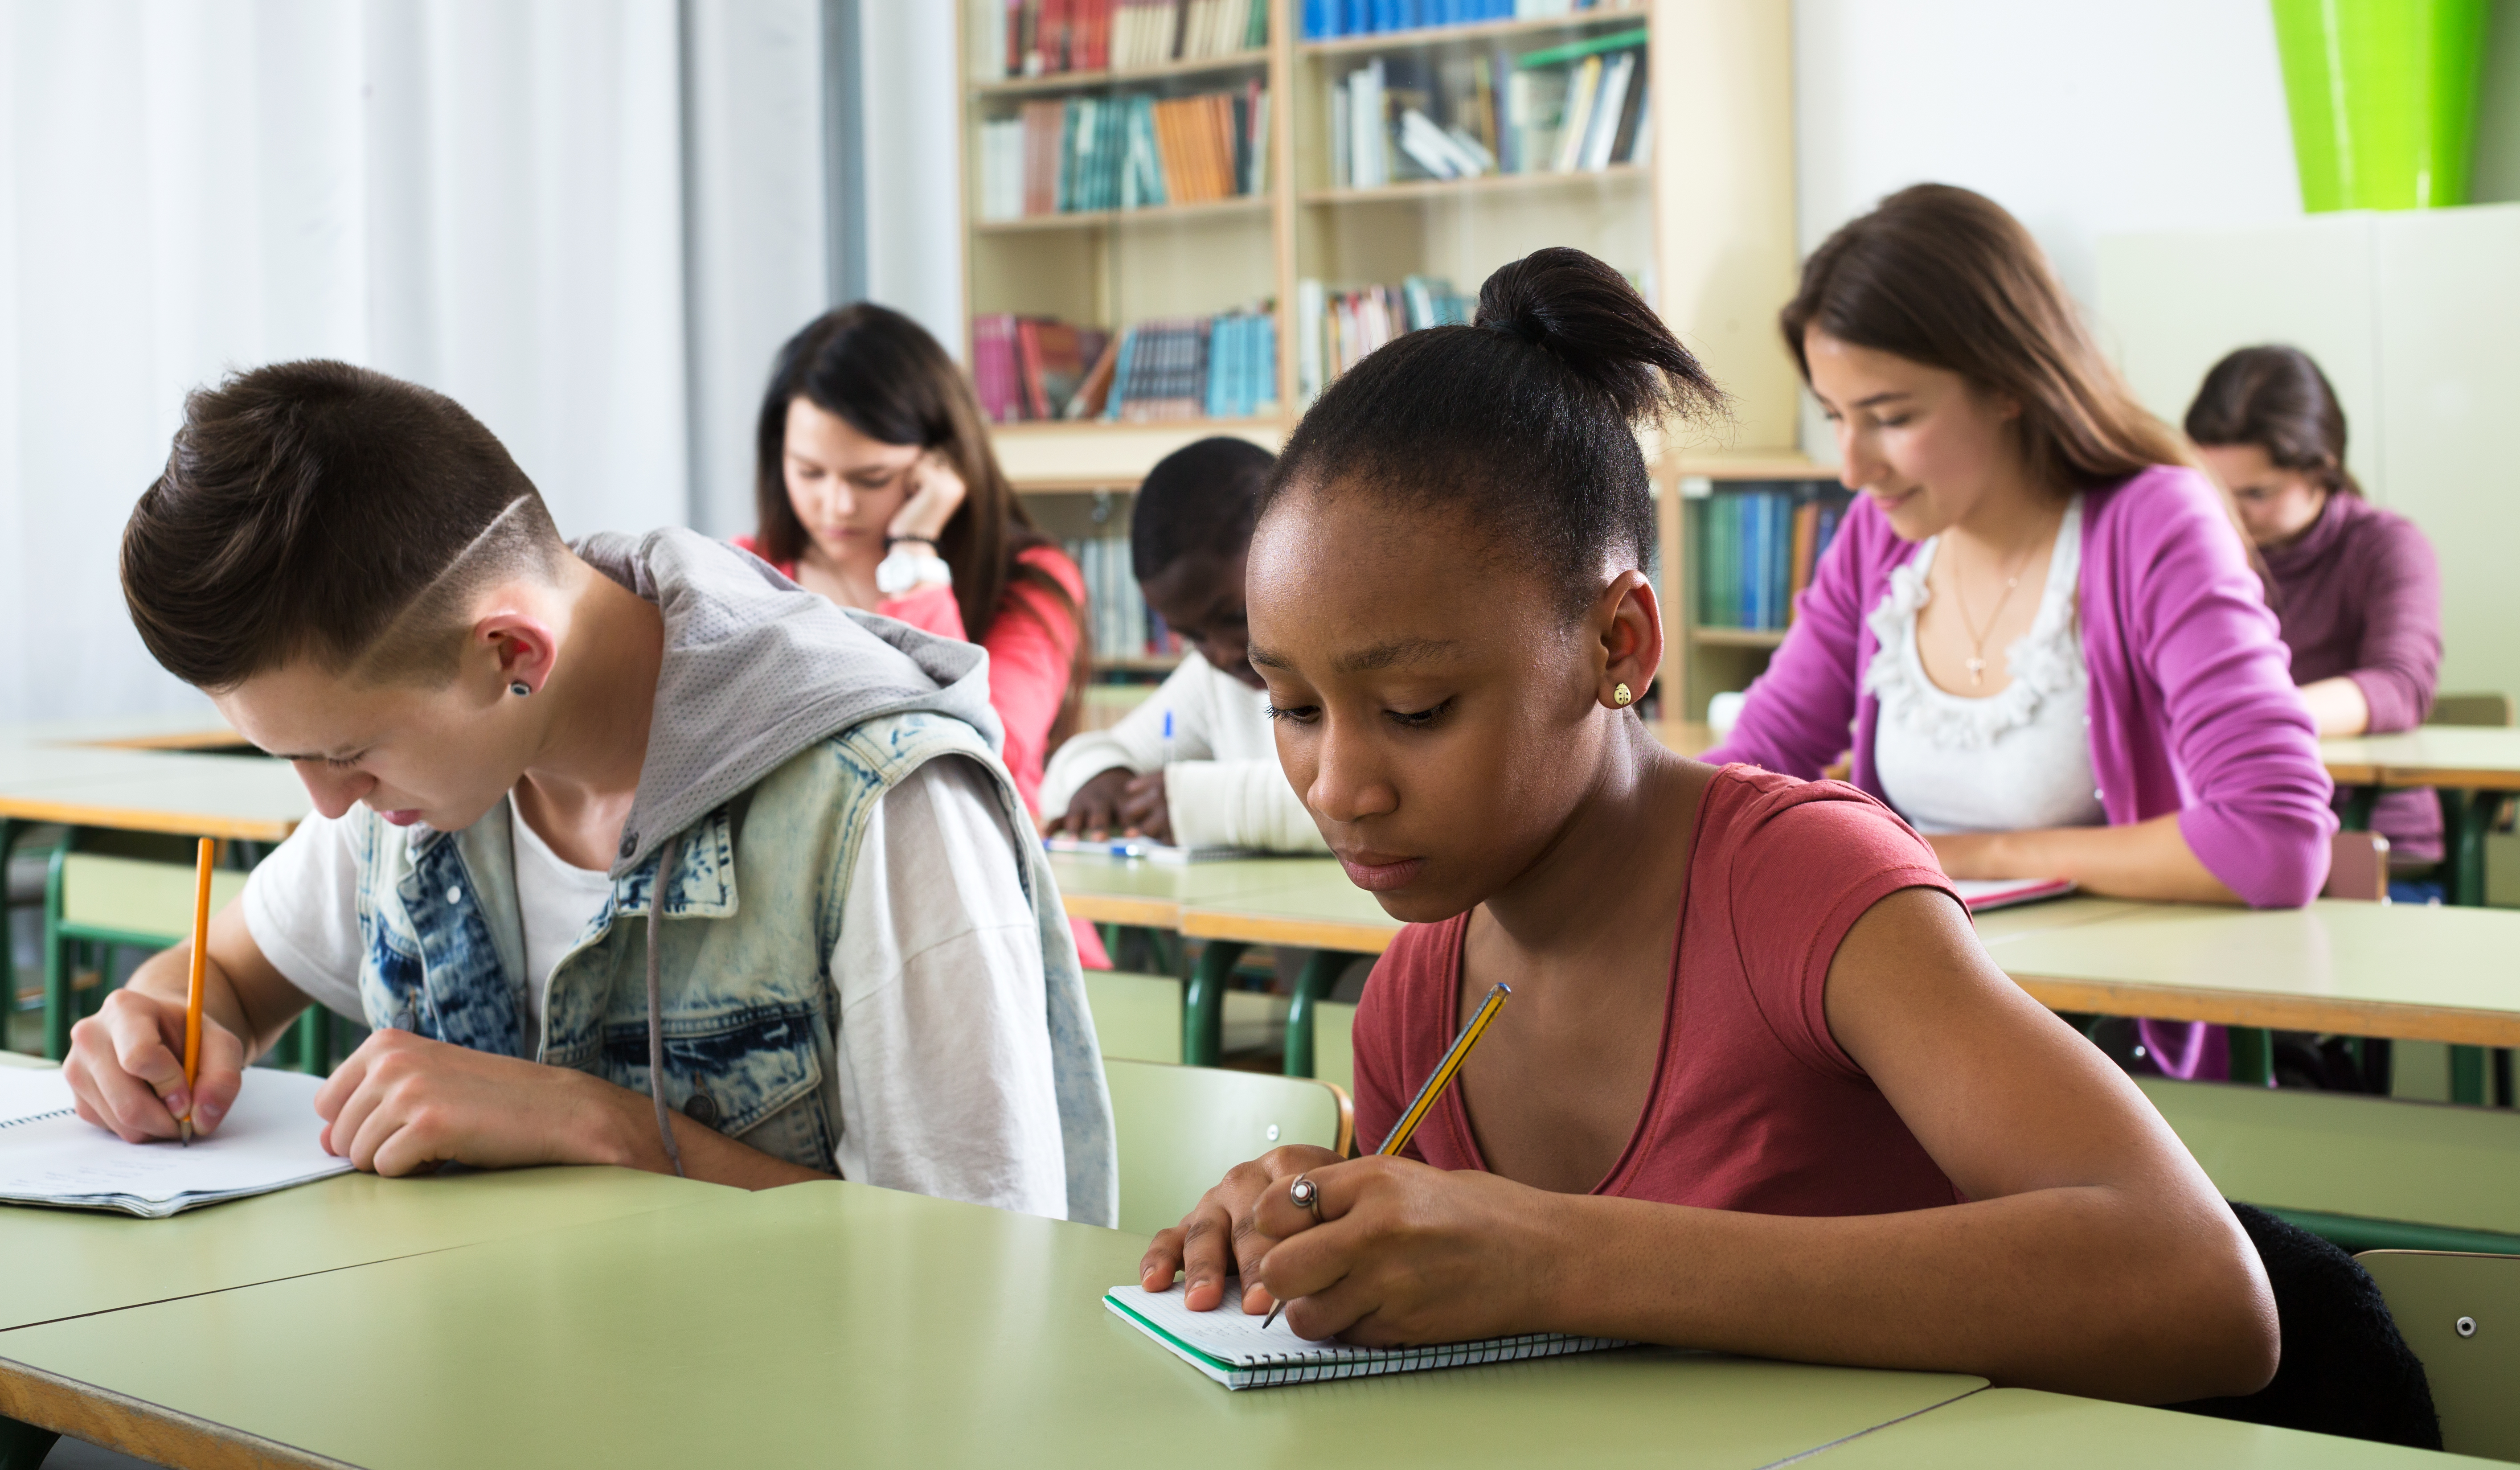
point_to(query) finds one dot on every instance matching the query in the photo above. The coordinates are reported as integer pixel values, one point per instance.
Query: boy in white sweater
(1209, 778)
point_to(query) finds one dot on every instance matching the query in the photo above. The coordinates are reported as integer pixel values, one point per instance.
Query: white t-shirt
(944, 1084)
(557, 900)
(1221, 781)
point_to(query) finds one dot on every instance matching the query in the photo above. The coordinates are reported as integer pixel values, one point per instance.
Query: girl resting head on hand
(1759, 1090)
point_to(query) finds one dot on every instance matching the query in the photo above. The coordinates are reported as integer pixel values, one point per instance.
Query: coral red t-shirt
(1754, 1106)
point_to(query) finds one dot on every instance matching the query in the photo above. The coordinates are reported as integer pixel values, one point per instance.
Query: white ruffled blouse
(2017, 760)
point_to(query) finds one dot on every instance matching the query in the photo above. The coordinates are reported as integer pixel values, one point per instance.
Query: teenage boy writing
(1194, 764)
(514, 745)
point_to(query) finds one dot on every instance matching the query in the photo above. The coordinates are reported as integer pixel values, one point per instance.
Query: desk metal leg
(1313, 984)
(2466, 816)
(23, 1446)
(1204, 1002)
(10, 828)
(2253, 1056)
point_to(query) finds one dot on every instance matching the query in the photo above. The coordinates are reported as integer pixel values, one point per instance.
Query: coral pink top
(1031, 644)
(1753, 1105)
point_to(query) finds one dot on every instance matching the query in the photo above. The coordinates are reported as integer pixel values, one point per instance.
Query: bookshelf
(1700, 215)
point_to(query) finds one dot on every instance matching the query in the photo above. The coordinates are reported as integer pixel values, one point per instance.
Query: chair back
(1182, 1127)
(1136, 1016)
(2357, 867)
(2470, 710)
(136, 899)
(2460, 1314)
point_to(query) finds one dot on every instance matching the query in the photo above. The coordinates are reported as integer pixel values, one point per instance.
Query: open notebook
(49, 1156)
(1983, 893)
(1235, 1350)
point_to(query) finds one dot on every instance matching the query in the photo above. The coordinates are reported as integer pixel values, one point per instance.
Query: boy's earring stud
(521, 689)
(1621, 696)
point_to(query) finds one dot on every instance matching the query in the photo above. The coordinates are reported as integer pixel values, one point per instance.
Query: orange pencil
(193, 993)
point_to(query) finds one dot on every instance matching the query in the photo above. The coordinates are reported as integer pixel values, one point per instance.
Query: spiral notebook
(49, 1156)
(1236, 1351)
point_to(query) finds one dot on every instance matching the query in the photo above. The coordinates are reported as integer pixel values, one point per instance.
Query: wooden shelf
(1486, 183)
(1087, 219)
(1744, 464)
(1070, 82)
(1737, 638)
(1437, 36)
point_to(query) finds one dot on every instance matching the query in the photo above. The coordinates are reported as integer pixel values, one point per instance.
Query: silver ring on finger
(1304, 1194)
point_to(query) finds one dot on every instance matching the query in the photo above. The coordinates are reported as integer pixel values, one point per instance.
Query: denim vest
(748, 999)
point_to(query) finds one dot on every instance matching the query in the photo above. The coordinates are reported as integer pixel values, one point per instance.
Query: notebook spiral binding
(10, 1123)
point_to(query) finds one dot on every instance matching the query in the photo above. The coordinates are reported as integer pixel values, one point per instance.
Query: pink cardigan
(2192, 705)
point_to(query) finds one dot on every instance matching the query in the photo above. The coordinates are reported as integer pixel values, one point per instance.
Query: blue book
(1220, 369)
(1319, 19)
(1120, 373)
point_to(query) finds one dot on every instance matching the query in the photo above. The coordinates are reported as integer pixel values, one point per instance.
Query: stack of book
(1326, 18)
(1060, 155)
(1581, 107)
(1756, 550)
(1219, 367)
(1048, 37)
(1335, 329)
(1027, 367)
(1122, 625)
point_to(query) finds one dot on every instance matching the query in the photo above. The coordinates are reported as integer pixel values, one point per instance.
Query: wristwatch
(903, 568)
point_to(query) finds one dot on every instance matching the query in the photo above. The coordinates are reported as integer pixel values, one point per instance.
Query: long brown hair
(1945, 277)
(888, 379)
(2275, 398)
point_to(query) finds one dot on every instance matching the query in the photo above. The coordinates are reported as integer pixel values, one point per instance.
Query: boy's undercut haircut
(1200, 498)
(318, 510)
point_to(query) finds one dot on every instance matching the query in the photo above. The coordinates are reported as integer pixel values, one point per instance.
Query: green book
(1574, 50)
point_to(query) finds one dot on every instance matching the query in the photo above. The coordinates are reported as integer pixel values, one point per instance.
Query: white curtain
(484, 195)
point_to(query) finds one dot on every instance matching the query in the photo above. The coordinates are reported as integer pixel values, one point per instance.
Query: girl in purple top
(2041, 628)
(2355, 587)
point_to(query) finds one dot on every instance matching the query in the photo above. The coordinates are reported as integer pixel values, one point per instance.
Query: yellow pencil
(1436, 1082)
(193, 993)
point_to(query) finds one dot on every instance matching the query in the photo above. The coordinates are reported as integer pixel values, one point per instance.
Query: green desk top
(249, 796)
(2480, 757)
(833, 1323)
(64, 1263)
(2013, 1427)
(2425, 973)
(1081, 875)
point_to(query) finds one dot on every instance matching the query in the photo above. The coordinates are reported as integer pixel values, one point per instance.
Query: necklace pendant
(1976, 672)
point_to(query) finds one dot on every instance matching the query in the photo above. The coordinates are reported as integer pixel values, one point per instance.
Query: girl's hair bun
(1588, 315)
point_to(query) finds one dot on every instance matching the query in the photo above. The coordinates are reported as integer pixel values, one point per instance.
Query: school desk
(834, 1323)
(2473, 767)
(2417, 973)
(2012, 1427)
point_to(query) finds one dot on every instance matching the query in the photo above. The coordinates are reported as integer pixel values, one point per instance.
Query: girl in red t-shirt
(1759, 1090)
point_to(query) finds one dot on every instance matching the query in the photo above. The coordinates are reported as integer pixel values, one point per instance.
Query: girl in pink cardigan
(2039, 628)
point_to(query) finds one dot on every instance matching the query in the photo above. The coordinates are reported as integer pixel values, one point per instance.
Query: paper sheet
(49, 1156)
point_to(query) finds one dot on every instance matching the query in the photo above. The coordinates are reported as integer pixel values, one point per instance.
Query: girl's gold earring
(1621, 696)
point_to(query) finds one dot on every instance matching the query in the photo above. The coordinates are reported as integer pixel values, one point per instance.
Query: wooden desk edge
(2357, 1018)
(149, 1431)
(144, 819)
(1274, 928)
(1106, 908)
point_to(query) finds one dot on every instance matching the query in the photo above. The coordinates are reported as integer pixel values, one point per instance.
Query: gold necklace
(1976, 662)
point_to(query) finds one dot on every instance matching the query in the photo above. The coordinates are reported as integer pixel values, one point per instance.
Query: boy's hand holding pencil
(150, 1066)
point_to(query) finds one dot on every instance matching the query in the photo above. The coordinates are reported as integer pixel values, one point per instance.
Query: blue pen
(1168, 737)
